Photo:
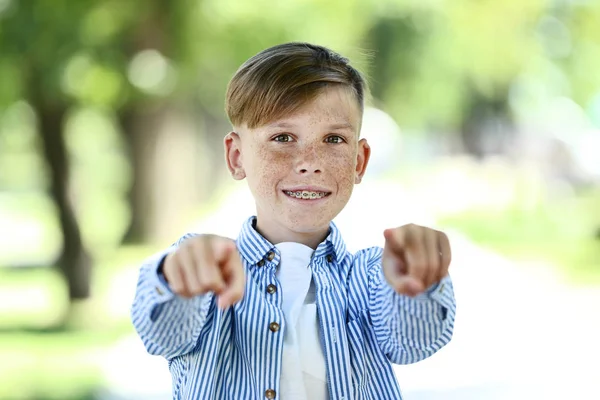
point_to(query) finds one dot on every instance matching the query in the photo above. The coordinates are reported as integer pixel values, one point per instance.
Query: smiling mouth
(306, 194)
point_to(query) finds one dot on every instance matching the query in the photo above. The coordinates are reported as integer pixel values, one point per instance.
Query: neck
(276, 233)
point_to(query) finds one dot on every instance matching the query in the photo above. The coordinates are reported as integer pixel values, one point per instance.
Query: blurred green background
(111, 127)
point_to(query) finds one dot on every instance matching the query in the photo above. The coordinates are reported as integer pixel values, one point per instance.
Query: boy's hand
(414, 258)
(206, 263)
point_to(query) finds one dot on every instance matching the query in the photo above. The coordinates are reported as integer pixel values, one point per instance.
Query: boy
(285, 312)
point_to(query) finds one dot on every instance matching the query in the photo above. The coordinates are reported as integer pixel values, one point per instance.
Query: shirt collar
(254, 247)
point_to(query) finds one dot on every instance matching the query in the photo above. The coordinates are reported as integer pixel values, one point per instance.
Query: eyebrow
(287, 125)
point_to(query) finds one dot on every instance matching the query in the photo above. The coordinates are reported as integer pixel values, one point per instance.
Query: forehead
(334, 106)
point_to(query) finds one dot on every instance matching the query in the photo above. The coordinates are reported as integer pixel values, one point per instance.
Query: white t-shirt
(303, 374)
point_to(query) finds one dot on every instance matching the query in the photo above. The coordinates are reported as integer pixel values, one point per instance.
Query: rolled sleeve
(410, 329)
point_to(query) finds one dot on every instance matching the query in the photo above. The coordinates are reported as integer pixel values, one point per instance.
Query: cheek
(343, 166)
(268, 168)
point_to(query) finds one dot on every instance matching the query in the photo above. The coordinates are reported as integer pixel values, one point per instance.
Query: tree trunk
(136, 233)
(487, 126)
(139, 130)
(166, 164)
(74, 262)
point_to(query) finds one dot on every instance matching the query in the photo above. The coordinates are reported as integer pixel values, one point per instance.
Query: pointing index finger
(208, 269)
(235, 278)
(395, 240)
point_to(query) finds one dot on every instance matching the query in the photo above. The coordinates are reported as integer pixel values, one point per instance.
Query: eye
(335, 139)
(283, 138)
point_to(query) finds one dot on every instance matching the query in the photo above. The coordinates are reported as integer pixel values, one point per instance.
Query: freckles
(341, 165)
(270, 165)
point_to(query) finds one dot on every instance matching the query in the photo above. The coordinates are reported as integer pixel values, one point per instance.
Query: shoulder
(363, 278)
(368, 255)
(365, 262)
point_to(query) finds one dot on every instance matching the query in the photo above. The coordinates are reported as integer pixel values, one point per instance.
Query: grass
(562, 233)
(512, 209)
(50, 349)
(55, 365)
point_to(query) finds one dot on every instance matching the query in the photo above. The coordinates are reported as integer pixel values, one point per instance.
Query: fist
(414, 258)
(206, 263)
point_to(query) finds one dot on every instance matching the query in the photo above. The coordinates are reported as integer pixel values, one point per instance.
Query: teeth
(305, 194)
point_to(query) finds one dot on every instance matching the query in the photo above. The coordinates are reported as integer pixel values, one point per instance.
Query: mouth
(306, 194)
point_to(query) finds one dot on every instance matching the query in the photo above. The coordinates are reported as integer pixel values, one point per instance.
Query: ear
(362, 159)
(233, 155)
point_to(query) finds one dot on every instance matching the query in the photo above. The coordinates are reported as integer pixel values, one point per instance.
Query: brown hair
(281, 79)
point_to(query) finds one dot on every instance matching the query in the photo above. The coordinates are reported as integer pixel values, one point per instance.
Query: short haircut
(281, 79)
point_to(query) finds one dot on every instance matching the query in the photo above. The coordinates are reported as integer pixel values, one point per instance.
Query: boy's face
(302, 168)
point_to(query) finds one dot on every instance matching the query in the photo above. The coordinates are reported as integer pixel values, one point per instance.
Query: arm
(410, 329)
(169, 325)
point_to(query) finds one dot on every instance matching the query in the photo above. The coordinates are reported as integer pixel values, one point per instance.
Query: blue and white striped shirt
(236, 354)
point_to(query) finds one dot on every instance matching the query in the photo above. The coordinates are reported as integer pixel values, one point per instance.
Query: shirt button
(274, 327)
(270, 394)
(271, 289)
(270, 256)
(160, 292)
(261, 263)
(329, 258)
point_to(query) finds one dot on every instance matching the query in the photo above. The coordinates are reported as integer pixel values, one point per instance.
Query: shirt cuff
(441, 292)
(162, 291)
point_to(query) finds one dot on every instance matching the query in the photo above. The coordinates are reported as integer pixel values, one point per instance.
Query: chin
(307, 224)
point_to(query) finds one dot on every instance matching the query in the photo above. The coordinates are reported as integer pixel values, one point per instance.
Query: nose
(309, 161)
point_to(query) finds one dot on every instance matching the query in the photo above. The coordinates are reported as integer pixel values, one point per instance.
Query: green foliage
(425, 53)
